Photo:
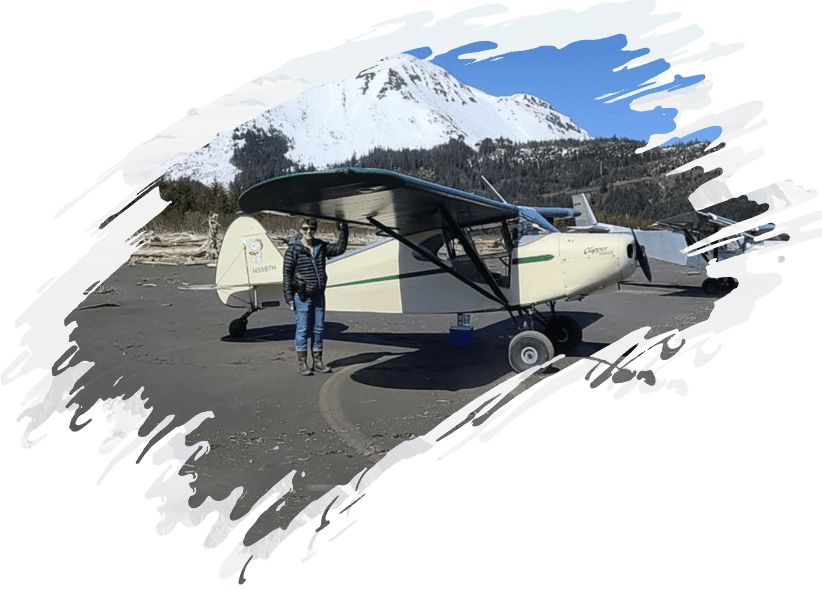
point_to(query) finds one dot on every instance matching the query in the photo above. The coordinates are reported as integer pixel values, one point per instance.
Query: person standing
(304, 281)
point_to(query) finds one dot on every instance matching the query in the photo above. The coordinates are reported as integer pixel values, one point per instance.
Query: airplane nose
(628, 262)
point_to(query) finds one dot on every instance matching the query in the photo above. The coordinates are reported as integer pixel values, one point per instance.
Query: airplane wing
(356, 195)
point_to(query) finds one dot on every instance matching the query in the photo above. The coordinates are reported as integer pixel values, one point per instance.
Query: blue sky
(572, 79)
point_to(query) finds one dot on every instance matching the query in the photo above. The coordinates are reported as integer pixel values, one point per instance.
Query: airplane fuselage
(389, 277)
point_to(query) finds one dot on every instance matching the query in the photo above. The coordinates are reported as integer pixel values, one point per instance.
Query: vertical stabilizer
(587, 218)
(250, 267)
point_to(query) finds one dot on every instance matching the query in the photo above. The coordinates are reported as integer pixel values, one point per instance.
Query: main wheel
(710, 286)
(237, 327)
(564, 331)
(730, 283)
(529, 349)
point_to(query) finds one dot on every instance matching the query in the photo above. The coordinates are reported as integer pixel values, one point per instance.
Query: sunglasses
(306, 228)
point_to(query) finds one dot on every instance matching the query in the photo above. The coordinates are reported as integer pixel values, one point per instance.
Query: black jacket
(304, 273)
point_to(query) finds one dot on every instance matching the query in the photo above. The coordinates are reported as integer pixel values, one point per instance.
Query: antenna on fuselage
(491, 186)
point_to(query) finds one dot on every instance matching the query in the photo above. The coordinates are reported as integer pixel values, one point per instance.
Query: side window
(516, 230)
(493, 244)
(492, 240)
(522, 231)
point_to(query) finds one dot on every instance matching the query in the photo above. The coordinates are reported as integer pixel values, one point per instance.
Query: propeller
(641, 257)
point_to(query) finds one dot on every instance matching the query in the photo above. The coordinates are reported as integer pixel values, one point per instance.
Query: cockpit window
(523, 231)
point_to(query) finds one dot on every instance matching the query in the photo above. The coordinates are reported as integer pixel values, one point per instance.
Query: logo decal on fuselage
(598, 251)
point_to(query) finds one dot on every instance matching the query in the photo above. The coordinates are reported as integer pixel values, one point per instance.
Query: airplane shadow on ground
(431, 361)
(697, 292)
(680, 290)
(694, 292)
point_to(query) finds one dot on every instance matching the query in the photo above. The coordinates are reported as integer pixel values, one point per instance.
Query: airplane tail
(249, 267)
(581, 204)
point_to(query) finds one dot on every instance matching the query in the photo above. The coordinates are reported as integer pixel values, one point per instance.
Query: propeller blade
(643, 262)
(641, 257)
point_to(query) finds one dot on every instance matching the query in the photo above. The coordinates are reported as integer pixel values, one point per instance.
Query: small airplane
(697, 227)
(677, 239)
(442, 251)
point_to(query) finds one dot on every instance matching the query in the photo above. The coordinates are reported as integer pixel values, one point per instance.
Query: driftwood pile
(198, 248)
(180, 247)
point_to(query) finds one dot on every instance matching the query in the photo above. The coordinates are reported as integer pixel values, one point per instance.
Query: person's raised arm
(341, 244)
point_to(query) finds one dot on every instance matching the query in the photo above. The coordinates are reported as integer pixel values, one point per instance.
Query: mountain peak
(411, 103)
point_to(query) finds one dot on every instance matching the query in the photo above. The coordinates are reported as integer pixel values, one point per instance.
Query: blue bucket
(461, 335)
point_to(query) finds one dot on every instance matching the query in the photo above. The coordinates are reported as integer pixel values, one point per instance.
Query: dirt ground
(155, 327)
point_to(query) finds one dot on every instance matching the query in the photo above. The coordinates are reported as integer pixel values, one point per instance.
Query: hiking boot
(302, 364)
(318, 363)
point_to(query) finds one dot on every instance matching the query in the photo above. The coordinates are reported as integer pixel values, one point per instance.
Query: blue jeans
(306, 313)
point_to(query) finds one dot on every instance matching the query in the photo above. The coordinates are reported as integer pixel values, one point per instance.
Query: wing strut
(437, 261)
(472, 254)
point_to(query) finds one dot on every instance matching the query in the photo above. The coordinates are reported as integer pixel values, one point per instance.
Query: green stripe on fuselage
(527, 259)
(408, 275)
(423, 273)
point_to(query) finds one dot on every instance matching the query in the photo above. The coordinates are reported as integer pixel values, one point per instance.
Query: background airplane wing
(405, 204)
(696, 222)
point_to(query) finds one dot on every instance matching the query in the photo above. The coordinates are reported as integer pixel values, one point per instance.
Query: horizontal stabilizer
(554, 213)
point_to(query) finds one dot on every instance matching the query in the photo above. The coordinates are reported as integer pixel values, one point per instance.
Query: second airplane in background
(686, 239)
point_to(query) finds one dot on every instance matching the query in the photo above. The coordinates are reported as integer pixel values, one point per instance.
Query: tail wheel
(238, 327)
(564, 331)
(529, 349)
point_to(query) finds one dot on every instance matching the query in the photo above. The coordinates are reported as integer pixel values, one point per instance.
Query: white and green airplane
(443, 251)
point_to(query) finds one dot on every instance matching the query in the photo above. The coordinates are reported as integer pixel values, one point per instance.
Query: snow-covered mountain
(410, 103)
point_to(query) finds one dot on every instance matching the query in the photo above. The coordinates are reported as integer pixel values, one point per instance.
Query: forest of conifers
(623, 185)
